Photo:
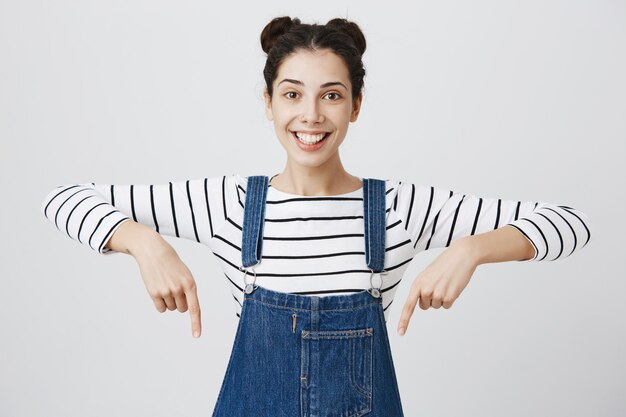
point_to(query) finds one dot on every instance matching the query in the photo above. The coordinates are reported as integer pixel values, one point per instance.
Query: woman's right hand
(167, 279)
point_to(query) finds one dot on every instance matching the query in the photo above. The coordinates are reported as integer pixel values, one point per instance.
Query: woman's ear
(268, 105)
(356, 107)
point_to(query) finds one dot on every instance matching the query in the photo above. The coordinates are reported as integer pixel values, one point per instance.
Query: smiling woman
(314, 79)
(311, 118)
(313, 255)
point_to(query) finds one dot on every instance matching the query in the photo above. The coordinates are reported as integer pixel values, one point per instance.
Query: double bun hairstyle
(283, 36)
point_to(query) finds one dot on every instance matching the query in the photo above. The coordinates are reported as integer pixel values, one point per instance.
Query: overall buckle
(249, 287)
(376, 291)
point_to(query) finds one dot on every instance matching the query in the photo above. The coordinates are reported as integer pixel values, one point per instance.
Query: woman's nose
(311, 113)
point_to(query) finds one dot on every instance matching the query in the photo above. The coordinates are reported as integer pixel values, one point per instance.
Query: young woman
(312, 255)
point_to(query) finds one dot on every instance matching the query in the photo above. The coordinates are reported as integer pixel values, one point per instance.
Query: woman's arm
(130, 238)
(473, 230)
(500, 245)
(92, 213)
(435, 217)
(131, 218)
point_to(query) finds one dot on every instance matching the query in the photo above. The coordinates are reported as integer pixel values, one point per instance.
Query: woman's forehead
(315, 67)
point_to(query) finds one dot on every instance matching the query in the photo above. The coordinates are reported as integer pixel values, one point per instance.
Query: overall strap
(253, 220)
(374, 194)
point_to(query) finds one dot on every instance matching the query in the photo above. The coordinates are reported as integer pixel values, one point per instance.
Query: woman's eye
(293, 94)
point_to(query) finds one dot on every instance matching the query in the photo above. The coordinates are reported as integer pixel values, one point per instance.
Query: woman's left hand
(441, 282)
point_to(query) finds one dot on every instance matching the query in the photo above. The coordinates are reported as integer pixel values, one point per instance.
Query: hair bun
(352, 29)
(275, 29)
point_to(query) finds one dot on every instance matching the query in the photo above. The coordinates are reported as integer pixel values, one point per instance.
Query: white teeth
(310, 139)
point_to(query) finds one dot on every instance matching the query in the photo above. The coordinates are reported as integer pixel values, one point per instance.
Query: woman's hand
(167, 279)
(442, 281)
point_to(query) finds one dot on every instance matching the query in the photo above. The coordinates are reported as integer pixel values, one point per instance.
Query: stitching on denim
(353, 381)
(387, 348)
(304, 352)
(338, 334)
(359, 307)
(231, 359)
(371, 376)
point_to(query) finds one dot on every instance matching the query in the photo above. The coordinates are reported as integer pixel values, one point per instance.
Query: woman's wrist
(471, 249)
(499, 245)
(134, 239)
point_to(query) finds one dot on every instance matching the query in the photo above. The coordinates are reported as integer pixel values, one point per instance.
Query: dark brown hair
(283, 36)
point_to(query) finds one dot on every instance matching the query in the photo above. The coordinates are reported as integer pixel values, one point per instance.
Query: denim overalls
(308, 356)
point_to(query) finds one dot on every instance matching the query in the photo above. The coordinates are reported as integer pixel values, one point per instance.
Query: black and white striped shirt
(312, 245)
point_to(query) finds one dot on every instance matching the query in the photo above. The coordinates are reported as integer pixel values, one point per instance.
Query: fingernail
(401, 331)
(196, 334)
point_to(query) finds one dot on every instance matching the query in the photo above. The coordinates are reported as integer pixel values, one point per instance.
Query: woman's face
(312, 96)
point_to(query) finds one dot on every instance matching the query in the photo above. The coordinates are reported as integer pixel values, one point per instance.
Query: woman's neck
(315, 181)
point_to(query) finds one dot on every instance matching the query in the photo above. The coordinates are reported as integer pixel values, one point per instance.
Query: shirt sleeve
(90, 213)
(434, 217)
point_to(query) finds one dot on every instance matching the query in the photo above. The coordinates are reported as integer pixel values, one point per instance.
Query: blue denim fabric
(308, 356)
(254, 220)
(374, 219)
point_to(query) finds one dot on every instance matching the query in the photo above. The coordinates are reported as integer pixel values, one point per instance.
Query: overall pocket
(338, 366)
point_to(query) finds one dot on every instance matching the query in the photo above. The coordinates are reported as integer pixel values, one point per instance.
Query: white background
(515, 99)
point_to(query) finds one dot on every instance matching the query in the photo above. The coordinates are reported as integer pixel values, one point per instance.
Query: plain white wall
(515, 99)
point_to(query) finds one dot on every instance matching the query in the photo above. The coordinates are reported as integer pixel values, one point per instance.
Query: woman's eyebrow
(298, 82)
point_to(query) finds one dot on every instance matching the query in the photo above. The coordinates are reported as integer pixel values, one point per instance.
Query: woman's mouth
(309, 142)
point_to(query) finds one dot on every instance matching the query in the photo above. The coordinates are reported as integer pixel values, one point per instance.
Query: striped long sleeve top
(312, 245)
